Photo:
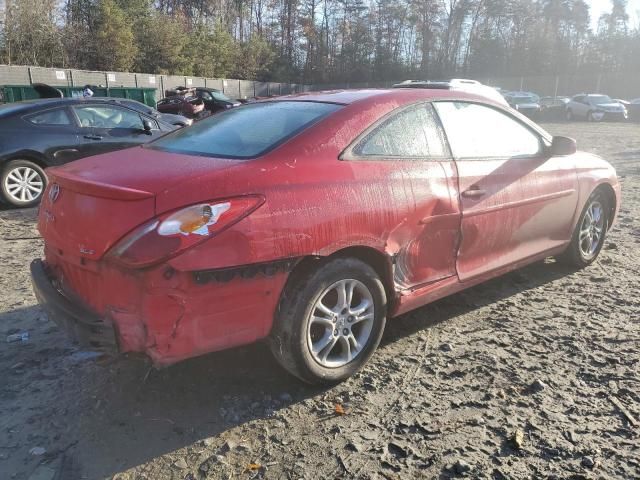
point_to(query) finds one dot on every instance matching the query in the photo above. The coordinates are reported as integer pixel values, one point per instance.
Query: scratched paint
(411, 212)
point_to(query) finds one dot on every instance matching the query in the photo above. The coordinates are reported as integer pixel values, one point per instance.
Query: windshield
(600, 99)
(140, 107)
(221, 96)
(245, 132)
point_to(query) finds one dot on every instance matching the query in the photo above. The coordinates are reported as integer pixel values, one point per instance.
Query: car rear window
(247, 131)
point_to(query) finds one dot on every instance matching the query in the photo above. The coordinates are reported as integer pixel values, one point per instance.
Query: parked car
(551, 102)
(634, 110)
(214, 100)
(525, 103)
(189, 106)
(595, 108)
(534, 96)
(309, 221)
(553, 108)
(458, 84)
(170, 118)
(36, 134)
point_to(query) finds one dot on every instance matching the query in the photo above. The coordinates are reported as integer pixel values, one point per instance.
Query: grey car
(595, 108)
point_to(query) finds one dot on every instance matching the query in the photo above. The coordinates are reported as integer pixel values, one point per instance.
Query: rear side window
(108, 116)
(247, 131)
(478, 131)
(411, 133)
(59, 116)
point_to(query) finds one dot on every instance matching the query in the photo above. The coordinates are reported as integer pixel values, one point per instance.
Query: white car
(462, 84)
(595, 108)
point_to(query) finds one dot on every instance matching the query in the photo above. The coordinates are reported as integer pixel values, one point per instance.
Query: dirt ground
(532, 375)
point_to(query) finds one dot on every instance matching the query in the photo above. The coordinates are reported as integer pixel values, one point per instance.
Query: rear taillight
(173, 233)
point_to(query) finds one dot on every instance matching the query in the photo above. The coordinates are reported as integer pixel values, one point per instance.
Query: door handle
(473, 192)
(93, 137)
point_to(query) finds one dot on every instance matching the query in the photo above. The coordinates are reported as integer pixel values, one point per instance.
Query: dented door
(410, 145)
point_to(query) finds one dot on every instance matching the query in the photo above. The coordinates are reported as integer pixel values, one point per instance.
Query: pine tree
(115, 48)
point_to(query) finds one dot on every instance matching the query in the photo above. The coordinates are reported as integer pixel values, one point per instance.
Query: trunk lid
(92, 203)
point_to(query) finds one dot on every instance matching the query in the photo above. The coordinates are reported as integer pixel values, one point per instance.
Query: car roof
(400, 95)
(40, 103)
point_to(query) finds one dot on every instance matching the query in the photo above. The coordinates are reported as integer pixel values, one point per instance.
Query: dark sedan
(524, 103)
(40, 133)
(188, 106)
(214, 100)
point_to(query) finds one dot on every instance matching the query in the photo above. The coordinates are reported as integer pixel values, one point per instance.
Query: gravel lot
(532, 375)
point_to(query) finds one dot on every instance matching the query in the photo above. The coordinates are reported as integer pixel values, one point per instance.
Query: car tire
(322, 342)
(593, 222)
(22, 183)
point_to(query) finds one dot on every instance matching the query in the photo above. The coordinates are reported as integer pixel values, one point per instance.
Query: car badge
(54, 192)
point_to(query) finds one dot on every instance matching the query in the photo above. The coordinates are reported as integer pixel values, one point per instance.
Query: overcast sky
(598, 7)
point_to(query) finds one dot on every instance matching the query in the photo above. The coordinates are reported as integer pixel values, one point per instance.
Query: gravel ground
(532, 375)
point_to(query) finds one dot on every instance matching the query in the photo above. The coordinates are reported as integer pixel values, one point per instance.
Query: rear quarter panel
(317, 204)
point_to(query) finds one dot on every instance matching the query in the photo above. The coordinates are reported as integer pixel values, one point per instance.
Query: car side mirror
(146, 124)
(563, 146)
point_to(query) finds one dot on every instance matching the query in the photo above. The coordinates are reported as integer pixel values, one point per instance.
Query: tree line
(320, 41)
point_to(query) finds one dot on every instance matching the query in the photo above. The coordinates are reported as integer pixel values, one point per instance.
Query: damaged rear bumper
(83, 325)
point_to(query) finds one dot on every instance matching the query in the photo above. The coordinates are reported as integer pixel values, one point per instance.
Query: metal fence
(617, 85)
(235, 88)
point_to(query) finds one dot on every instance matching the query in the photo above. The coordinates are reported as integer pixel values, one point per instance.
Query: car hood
(172, 118)
(610, 106)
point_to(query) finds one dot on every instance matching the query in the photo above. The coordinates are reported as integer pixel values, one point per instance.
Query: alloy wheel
(341, 323)
(24, 184)
(591, 230)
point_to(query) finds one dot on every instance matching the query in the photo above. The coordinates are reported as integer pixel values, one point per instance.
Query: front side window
(107, 116)
(412, 133)
(245, 132)
(59, 116)
(478, 131)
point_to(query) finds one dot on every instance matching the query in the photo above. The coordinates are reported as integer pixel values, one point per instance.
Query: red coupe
(308, 221)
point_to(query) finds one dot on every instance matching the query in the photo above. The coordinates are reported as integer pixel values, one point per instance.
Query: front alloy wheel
(588, 236)
(591, 230)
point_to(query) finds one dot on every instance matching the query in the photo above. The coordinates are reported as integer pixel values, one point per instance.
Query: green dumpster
(19, 93)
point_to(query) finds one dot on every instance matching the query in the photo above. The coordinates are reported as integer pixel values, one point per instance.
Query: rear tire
(22, 183)
(330, 322)
(589, 234)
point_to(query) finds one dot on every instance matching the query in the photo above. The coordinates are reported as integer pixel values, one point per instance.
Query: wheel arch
(29, 155)
(612, 200)
(379, 261)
